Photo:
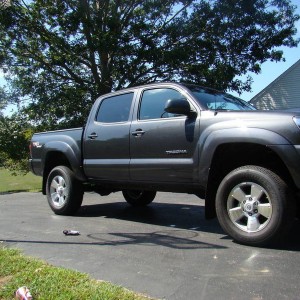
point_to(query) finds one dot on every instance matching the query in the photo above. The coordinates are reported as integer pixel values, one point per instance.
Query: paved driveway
(167, 250)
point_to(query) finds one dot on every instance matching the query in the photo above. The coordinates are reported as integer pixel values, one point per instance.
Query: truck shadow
(292, 240)
(183, 222)
(177, 216)
(176, 239)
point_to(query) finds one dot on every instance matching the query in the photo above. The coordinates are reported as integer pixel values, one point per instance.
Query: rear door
(106, 140)
(163, 145)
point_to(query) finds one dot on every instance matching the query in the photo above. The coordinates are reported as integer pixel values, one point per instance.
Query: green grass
(10, 183)
(48, 282)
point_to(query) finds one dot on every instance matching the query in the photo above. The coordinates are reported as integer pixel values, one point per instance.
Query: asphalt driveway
(167, 250)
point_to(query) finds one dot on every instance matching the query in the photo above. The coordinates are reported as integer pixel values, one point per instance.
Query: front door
(163, 145)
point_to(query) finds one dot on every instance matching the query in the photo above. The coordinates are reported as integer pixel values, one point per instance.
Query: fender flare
(70, 150)
(212, 141)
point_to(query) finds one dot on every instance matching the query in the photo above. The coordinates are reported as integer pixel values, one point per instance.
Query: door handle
(138, 132)
(93, 135)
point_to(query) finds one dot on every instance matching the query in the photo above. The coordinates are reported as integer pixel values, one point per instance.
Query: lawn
(10, 183)
(48, 282)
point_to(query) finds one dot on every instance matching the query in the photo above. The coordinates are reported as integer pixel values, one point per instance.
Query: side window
(115, 109)
(153, 103)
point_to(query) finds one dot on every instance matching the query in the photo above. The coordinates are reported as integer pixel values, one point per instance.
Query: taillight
(30, 149)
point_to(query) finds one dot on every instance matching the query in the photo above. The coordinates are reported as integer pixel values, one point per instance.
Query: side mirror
(178, 107)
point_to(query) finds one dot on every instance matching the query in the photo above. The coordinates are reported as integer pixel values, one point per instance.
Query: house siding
(282, 93)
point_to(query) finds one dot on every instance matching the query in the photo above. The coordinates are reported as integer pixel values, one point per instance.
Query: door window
(154, 101)
(115, 109)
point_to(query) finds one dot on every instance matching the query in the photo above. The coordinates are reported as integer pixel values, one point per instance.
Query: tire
(254, 206)
(64, 191)
(139, 198)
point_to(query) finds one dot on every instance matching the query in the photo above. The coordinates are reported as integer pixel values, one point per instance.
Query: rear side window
(115, 109)
(153, 103)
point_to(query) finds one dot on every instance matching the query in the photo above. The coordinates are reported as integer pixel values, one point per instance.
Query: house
(282, 93)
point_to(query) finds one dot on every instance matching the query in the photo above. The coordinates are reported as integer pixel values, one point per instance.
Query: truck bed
(67, 140)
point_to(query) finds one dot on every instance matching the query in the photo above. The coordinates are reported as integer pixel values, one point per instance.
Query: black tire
(139, 198)
(64, 191)
(254, 206)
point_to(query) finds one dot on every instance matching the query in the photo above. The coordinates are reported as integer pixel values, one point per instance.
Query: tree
(14, 135)
(61, 55)
(3, 100)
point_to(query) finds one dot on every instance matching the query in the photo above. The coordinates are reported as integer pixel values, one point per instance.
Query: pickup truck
(184, 139)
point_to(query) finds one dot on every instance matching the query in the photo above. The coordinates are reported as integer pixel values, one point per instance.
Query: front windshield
(216, 100)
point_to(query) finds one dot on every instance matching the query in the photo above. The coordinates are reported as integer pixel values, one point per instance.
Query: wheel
(64, 191)
(254, 206)
(139, 198)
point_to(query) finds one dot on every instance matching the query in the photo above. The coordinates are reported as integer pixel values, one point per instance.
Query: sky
(269, 70)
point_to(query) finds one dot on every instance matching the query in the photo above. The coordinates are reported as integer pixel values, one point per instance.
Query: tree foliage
(14, 136)
(3, 100)
(60, 55)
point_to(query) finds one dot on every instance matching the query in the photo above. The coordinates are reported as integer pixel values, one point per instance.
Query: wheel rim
(58, 191)
(249, 207)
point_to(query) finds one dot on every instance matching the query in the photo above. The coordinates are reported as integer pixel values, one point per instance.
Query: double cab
(184, 139)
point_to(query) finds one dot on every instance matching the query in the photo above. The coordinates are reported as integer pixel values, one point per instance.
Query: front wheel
(139, 198)
(254, 206)
(64, 191)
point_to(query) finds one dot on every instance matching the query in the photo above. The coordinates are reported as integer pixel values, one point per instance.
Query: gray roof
(282, 93)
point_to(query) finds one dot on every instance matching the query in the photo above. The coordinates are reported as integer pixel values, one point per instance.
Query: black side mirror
(178, 107)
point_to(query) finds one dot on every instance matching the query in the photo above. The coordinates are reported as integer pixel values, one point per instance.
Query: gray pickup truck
(182, 139)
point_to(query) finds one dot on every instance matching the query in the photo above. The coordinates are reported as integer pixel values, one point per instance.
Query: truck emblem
(176, 152)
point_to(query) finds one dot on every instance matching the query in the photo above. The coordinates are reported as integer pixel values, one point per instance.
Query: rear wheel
(64, 191)
(254, 205)
(139, 198)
